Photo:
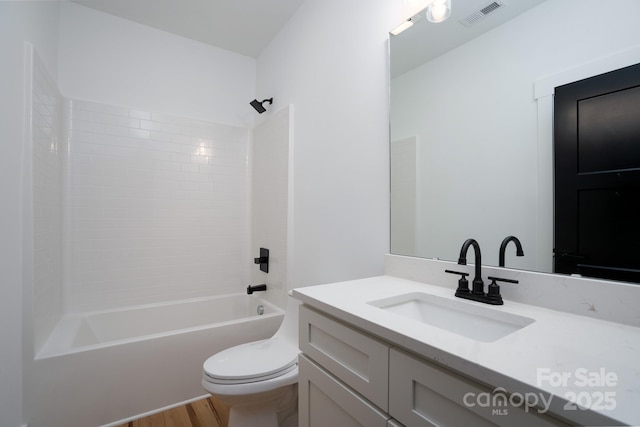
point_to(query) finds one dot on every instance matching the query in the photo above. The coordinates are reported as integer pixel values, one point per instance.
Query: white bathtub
(106, 367)
(85, 331)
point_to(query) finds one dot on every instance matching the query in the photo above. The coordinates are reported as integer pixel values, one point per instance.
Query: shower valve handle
(263, 260)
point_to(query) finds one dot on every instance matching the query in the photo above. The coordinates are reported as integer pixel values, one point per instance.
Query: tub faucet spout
(256, 288)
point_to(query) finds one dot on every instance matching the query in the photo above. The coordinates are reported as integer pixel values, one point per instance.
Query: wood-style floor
(202, 413)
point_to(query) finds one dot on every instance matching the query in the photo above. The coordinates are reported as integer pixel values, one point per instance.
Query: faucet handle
(498, 279)
(493, 292)
(463, 283)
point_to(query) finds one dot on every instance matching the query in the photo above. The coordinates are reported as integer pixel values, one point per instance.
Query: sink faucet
(477, 293)
(503, 246)
(478, 284)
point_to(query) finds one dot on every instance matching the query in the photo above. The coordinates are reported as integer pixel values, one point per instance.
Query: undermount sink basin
(485, 324)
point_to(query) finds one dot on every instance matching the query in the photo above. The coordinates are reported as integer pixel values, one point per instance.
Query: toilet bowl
(258, 380)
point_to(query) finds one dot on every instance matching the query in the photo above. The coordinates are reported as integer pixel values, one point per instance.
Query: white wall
(19, 22)
(115, 61)
(330, 61)
(478, 129)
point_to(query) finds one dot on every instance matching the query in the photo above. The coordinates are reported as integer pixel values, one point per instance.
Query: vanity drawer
(424, 394)
(359, 360)
(325, 401)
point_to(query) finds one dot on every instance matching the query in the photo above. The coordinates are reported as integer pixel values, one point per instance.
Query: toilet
(259, 380)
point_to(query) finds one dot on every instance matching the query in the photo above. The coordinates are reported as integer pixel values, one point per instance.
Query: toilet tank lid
(252, 360)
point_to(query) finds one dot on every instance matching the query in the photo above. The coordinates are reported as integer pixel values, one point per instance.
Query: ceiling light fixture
(439, 10)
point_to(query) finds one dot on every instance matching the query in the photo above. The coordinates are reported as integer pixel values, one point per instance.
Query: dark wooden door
(597, 176)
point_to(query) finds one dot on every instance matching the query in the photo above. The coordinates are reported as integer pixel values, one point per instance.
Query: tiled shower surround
(157, 207)
(131, 206)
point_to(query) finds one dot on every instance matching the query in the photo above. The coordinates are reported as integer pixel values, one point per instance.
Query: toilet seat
(259, 380)
(252, 362)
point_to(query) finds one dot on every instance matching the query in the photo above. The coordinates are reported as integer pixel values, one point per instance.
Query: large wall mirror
(472, 120)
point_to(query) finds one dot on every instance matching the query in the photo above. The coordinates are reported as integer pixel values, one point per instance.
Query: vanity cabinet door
(424, 394)
(359, 360)
(323, 401)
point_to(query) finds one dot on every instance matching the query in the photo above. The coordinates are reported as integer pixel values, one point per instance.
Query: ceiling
(425, 40)
(247, 26)
(241, 26)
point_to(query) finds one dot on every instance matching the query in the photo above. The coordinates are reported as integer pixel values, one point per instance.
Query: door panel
(597, 176)
(609, 131)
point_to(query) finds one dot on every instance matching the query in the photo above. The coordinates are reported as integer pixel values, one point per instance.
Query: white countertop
(525, 361)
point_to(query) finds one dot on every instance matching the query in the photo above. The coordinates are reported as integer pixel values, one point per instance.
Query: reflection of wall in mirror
(475, 118)
(403, 196)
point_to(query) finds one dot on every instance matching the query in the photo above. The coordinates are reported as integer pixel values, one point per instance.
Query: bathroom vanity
(388, 351)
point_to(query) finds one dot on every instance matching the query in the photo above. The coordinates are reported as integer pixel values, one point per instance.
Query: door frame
(544, 90)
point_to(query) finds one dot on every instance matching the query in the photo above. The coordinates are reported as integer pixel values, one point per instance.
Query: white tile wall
(270, 200)
(157, 207)
(48, 149)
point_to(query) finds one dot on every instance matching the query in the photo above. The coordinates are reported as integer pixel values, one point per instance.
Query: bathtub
(107, 367)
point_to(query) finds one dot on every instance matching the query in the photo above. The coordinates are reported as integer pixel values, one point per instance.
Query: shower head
(258, 105)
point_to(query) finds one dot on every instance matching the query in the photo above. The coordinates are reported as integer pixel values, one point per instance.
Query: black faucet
(256, 288)
(478, 284)
(477, 293)
(503, 246)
